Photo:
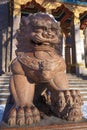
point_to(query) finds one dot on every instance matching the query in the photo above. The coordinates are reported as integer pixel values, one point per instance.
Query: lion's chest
(41, 55)
(40, 66)
(40, 61)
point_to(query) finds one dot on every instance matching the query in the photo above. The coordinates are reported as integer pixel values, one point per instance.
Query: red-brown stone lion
(37, 61)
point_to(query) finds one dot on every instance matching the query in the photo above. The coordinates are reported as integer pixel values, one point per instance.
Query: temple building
(72, 15)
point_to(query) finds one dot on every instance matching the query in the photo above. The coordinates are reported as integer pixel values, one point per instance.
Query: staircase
(74, 83)
(4, 88)
(79, 83)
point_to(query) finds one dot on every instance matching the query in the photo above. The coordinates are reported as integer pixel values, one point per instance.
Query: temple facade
(72, 15)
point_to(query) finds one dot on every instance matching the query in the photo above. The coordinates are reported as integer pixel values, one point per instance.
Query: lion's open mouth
(39, 43)
(33, 42)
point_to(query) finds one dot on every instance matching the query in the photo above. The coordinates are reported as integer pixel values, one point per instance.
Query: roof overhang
(74, 2)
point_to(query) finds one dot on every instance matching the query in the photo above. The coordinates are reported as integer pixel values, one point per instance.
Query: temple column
(85, 45)
(68, 56)
(77, 42)
(6, 50)
(16, 24)
(5, 37)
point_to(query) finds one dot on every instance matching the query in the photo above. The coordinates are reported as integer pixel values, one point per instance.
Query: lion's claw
(11, 121)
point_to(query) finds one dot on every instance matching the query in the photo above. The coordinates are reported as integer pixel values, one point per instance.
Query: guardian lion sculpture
(37, 61)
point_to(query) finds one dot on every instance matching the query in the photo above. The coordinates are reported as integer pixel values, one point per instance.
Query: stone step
(5, 77)
(77, 84)
(83, 90)
(4, 80)
(70, 81)
(70, 85)
(69, 78)
(4, 91)
(3, 100)
(82, 83)
(76, 88)
(84, 93)
(76, 80)
(74, 76)
(2, 88)
(85, 98)
(4, 96)
(4, 85)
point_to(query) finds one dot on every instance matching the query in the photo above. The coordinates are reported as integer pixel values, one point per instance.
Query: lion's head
(37, 30)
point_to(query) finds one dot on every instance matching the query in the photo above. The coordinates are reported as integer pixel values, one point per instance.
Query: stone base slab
(68, 126)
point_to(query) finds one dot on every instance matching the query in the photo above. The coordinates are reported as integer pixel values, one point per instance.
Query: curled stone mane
(29, 23)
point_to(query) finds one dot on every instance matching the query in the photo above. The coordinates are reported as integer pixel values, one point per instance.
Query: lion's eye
(37, 30)
(44, 28)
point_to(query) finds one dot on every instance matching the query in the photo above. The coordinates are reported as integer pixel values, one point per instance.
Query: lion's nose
(50, 35)
(49, 32)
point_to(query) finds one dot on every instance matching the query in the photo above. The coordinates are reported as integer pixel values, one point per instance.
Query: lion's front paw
(16, 116)
(23, 115)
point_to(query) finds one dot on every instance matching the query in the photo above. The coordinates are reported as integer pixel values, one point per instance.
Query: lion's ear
(25, 20)
(58, 25)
